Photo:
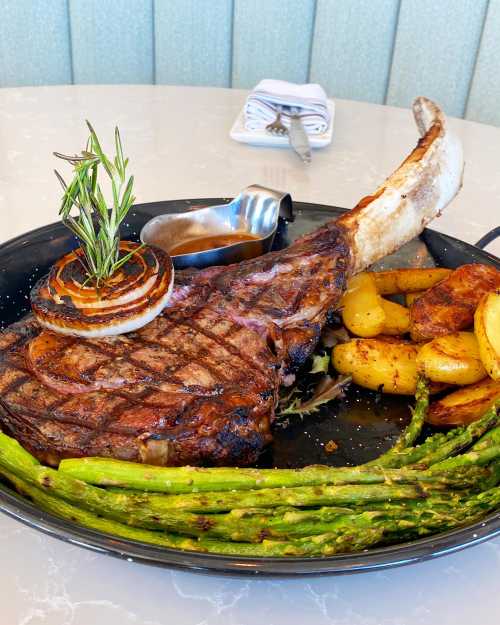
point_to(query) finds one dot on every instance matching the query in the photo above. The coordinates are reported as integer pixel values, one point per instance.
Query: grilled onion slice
(65, 301)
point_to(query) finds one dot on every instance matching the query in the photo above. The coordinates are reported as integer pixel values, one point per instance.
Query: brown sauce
(202, 244)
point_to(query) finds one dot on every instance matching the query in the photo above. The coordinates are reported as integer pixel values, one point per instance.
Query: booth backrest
(385, 51)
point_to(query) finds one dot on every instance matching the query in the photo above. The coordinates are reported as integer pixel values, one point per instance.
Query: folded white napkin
(271, 96)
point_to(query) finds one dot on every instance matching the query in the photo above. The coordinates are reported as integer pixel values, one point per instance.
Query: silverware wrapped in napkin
(285, 108)
(269, 97)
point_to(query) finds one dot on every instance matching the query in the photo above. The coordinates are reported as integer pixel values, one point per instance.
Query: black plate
(363, 424)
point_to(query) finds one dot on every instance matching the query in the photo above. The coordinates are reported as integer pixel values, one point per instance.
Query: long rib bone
(412, 196)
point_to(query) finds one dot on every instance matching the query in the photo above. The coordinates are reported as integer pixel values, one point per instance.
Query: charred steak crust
(197, 385)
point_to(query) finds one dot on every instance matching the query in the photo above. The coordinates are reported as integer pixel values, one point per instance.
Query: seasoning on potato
(390, 366)
(397, 318)
(487, 330)
(452, 359)
(362, 312)
(408, 280)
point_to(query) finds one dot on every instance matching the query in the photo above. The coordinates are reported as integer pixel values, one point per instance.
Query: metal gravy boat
(254, 211)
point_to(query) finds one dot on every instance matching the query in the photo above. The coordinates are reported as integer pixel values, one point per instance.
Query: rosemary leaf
(127, 257)
(97, 223)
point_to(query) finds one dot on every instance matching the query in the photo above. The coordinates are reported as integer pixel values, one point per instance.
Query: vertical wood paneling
(193, 42)
(112, 41)
(34, 43)
(272, 39)
(352, 47)
(484, 97)
(435, 51)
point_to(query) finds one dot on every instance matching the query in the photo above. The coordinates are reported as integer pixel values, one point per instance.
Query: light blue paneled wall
(112, 40)
(435, 51)
(484, 98)
(352, 47)
(385, 51)
(271, 38)
(193, 42)
(35, 46)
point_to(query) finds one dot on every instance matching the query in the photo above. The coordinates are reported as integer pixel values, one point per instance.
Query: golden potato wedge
(487, 331)
(408, 280)
(411, 297)
(397, 318)
(452, 359)
(379, 364)
(362, 312)
(465, 405)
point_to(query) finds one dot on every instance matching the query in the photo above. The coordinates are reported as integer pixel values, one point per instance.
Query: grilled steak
(198, 385)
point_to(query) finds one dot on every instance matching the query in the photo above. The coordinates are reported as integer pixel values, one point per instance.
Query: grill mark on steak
(222, 341)
(170, 375)
(88, 438)
(15, 384)
(94, 435)
(151, 374)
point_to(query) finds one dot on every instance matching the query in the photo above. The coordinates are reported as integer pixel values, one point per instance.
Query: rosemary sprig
(97, 225)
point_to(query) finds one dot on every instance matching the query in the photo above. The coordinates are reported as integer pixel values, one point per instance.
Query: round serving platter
(363, 424)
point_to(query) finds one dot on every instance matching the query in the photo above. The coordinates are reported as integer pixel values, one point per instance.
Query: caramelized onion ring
(64, 301)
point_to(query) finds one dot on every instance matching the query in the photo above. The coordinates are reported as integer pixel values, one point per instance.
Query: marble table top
(179, 146)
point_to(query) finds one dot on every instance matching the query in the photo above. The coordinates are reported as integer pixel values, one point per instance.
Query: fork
(296, 135)
(276, 127)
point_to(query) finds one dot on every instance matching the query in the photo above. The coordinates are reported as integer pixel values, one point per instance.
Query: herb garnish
(97, 225)
(328, 388)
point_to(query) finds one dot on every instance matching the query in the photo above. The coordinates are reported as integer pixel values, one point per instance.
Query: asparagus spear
(414, 428)
(491, 437)
(150, 507)
(109, 472)
(318, 545)
(336, 528)
(483, 455)
(18, 453)
(228, 527)
(300, 496)
(145, 478)
(439, 446)
(319, 521)
(346, 533)
(153, 510)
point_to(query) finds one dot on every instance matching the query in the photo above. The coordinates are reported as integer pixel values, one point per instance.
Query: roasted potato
(449, 306)
(362, 312)
(411, 297)
(405, 280)
(452, 359)
(487, 330)
(465, 405)
(379, 364)
(397, 318)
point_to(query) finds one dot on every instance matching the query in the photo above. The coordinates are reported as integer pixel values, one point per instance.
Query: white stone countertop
(179, 146)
